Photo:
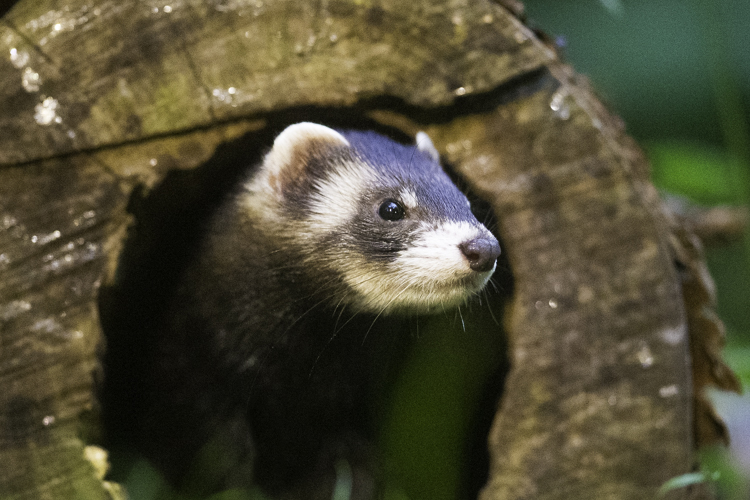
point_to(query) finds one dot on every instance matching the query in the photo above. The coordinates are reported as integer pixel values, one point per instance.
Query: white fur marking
(408, 198)
(295, 136)
(436, 250)
(261, 197)
(425, 145)
(432, 273)
(339, 192)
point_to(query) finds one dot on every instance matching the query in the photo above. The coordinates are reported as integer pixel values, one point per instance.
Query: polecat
(261, 353)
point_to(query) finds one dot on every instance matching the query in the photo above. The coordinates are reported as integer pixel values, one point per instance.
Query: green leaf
(697, 171)
(682, 481)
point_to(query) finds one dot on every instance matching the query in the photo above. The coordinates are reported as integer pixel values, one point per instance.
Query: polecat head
(372, 223)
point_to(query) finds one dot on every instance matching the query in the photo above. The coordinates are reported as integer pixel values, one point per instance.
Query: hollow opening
(414, 361)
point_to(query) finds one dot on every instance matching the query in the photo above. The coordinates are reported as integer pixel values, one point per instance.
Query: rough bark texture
(98, 97)
(600, 371)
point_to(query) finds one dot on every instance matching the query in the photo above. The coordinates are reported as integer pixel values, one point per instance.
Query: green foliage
(683, 481)
(679, 74)
(144, 482)
(695, 170)
(737, 356)
(729, 482)
(432, 410)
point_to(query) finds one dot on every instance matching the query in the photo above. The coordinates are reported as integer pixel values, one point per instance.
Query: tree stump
(100, 98)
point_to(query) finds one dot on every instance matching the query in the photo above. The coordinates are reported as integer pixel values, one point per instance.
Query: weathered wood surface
(598, 393)
(97, 97)
(123, 71)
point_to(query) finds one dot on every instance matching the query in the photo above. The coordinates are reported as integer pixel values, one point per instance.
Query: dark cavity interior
(421, 362)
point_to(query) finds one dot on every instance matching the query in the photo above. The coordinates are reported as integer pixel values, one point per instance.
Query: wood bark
(98, 97)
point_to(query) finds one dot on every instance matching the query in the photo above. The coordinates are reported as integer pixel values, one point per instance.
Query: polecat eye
(391, 210)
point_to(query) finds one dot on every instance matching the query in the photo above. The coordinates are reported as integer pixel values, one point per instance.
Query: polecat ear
(294, 147)
(425, 145)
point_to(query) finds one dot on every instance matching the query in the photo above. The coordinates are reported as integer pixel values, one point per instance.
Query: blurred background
(678, 73)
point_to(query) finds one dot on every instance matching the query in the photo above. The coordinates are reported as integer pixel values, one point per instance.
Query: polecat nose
(481, 253)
